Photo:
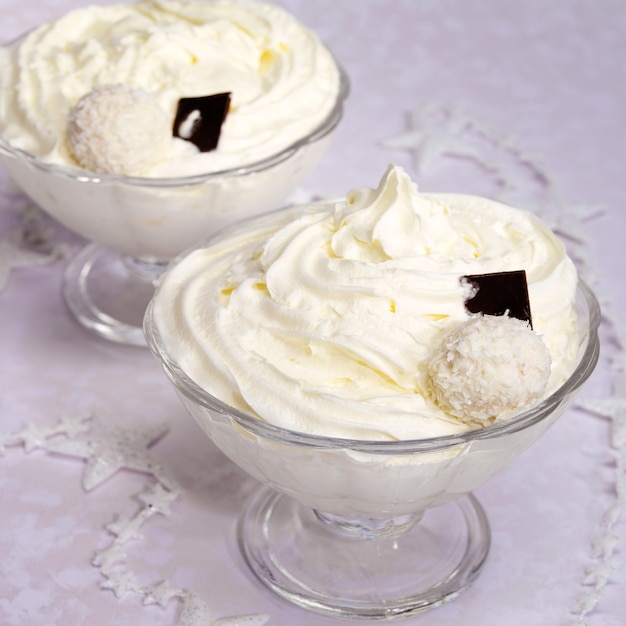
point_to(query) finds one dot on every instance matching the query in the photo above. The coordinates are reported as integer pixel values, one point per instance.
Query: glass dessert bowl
(371, 529)
(139, 218)
(137, 225)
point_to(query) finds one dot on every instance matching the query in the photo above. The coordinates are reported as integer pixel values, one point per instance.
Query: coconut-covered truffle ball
(488, 368)
(118, 129)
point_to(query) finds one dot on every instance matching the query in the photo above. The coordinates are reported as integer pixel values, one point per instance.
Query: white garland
(108, 449)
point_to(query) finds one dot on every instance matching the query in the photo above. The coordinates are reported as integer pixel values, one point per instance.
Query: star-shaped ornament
(13, 256)
(615, 409)
(120, 583)
(30, 437)
(126, 528)
(158, 499)
(109, 448)
(435, 132)
(107, 559)
(28, 246)
(71, 426)
(161, 594)
(569, 219)
(34, 436)
(612, 407)
(194, 612)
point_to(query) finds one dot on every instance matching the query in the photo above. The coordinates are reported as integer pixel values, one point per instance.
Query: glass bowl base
(307, 562)
(108, 293)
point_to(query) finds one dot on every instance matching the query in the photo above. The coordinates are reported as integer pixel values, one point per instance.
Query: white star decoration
(158, 499)
(34, 436)
(606, 543)
(109, 448)
(438, 131)
(614, 408)
(13, 256)
(120, 583)
(435, 132)
(30, 245)
(107, 559)
(162, 594)
(195, 612)
(126, 528)
(569, 220)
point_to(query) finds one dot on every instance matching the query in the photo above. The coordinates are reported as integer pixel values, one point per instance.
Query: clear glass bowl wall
(154, 219)
(370, 478)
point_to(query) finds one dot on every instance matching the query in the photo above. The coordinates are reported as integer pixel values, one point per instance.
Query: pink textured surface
(550, 76)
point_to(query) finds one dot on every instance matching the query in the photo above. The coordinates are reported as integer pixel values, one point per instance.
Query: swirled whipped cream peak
(283, 82)
(326, 319)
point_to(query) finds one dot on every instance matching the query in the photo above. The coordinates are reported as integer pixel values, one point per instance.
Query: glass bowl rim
(323, 129)
(259, 427)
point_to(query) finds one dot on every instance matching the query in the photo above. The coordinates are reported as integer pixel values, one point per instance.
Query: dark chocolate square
(199, 120)
(500, 293)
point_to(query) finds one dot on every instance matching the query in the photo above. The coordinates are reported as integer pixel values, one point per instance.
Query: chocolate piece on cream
(199, 120)
(500, 293)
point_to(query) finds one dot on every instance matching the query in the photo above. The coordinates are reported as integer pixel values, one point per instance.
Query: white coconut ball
(118, 129)
(488, 368)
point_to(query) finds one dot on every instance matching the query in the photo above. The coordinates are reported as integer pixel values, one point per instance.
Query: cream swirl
(283, 81)
(324, 320)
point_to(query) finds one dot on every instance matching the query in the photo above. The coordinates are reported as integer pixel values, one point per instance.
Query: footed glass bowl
(138, 224)
(371, 529)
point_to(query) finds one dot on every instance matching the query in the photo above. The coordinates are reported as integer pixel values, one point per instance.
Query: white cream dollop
(323, 320)
(284, 81)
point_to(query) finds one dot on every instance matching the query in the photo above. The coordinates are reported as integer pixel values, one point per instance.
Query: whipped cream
(283, 80)
(324, 320)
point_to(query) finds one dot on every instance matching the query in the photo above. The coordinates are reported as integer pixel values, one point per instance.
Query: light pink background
(550, 76)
